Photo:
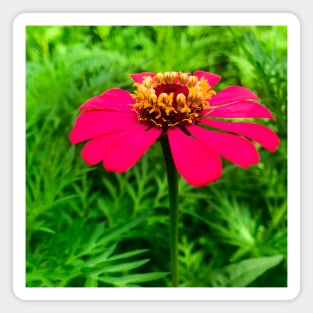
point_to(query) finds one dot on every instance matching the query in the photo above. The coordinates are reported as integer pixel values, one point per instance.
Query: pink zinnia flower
(121, 126)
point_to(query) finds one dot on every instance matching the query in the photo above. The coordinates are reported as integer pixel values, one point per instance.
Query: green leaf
(124, 266)
(101, 258)
(114, 268)
(127, 254)
(117, 232)
(43, 229)
(243, 273)
(91, 281)
(132, 279)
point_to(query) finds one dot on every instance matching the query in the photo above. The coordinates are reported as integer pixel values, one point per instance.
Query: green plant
(88, 227)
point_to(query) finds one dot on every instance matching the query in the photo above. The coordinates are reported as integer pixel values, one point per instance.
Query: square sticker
(94, 95)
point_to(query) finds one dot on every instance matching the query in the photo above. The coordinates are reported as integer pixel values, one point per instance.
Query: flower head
(121, 126)
(171, 99)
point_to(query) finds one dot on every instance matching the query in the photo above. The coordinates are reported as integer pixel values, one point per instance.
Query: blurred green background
(87, 227)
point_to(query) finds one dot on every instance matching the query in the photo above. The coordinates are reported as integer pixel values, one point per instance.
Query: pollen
(171, 99)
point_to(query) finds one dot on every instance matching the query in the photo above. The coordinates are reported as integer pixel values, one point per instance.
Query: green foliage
(241, 274)
(84, 255)
(90, 228)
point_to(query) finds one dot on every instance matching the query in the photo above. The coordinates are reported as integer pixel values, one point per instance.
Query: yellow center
(171, 99)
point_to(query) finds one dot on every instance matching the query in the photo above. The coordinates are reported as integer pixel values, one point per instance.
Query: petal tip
(72, 138)
(138, 77)
(275, 146)
(212, 78)
(88, 158)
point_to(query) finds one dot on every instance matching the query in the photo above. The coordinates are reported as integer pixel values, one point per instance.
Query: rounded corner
(294, 293)
(294, 18)
(19, 17)
(17, 293)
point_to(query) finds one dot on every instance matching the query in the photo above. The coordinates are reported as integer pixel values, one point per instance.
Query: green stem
(172, 180)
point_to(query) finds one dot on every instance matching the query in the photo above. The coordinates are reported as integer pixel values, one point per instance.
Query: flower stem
(172, 180)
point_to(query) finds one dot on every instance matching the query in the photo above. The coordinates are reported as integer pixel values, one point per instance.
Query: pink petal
(120, 150)
(212, 79)
(138, 77)
(95, 150)
(130, 147)
(232, 94)
(259, 133)
(94, 123)
(240, 109)
(113, 99)
(196, 162)
(232, 147)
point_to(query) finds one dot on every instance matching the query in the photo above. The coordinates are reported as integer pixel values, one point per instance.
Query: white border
(19, 83)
